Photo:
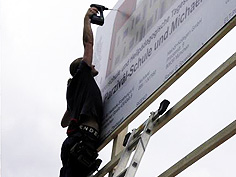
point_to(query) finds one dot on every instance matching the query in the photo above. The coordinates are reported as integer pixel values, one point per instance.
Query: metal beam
(196, 92)
(202, 150)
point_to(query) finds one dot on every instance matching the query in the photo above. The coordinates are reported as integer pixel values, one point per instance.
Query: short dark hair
(74, 65)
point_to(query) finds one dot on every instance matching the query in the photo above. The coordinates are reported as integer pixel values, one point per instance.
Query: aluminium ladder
(137, 141)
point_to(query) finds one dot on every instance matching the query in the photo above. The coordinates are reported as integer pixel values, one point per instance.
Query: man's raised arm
(88, 36)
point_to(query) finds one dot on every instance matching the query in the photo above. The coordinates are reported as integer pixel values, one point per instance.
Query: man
(84, 112)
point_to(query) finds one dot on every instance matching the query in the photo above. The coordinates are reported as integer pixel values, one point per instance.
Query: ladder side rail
(140, 149)
(124, 157)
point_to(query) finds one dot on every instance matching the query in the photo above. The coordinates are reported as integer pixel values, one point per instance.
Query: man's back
(84, 98)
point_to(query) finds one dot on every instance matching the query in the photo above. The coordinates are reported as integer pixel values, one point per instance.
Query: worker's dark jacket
(83, 98)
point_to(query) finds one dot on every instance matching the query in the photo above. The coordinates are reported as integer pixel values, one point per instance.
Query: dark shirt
(83, 97)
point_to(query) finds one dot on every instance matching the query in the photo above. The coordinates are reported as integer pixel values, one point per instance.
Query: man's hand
(91, 11)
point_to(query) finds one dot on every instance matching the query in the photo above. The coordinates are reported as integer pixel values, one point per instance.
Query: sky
(39, 40)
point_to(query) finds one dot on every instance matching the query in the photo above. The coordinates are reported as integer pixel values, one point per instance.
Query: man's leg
(72, 167)
(68, 165)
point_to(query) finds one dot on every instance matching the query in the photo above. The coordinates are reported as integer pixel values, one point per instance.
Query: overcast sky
(39, 39)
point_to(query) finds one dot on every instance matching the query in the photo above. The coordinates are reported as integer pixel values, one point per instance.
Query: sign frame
(198, 54)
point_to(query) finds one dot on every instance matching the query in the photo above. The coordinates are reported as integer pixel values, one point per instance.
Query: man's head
(74, 65)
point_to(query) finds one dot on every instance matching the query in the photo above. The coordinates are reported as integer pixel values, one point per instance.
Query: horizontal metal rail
(202, 150)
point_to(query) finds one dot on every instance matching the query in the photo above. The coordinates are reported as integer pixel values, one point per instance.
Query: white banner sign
(144, 43)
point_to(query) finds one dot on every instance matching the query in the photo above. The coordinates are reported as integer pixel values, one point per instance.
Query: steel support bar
(201, 151)
(196, 92)
(109, 166)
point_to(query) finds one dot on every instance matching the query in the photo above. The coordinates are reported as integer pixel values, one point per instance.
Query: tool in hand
(98, 20)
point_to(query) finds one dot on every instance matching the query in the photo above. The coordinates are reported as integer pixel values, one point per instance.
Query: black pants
(70, 166)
